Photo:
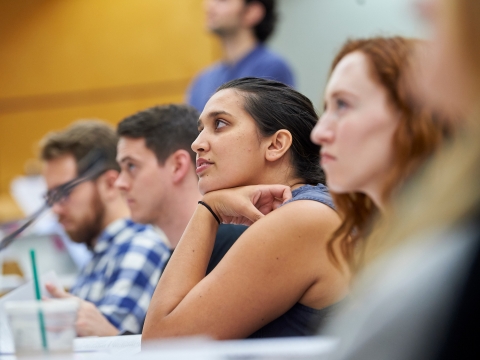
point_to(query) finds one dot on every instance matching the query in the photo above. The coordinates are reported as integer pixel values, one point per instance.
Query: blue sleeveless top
(316, 193)
(300, 320)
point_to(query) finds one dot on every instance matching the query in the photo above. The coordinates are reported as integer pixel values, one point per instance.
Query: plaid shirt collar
(110, 233)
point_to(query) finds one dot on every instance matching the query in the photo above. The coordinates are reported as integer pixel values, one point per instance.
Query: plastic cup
(59, 318)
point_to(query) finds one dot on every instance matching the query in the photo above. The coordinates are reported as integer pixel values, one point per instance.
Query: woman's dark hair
(275, 106)
(265, 27)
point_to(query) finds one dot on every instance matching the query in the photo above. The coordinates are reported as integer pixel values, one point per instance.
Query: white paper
(24, 292)
(318, 347)
(125, 344)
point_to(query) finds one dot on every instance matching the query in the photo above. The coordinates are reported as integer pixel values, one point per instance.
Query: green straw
(39, 298)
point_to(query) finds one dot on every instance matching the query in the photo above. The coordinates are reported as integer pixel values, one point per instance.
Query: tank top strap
(318, 193)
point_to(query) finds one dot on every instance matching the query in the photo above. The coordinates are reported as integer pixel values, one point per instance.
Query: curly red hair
(417, 136)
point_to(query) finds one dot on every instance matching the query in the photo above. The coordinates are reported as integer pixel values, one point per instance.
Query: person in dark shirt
(277, 279)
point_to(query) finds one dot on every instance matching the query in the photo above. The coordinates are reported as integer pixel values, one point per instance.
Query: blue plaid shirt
(128, 259)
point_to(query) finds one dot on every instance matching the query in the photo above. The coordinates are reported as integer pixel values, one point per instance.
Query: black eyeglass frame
(62, 191)
(96, 166)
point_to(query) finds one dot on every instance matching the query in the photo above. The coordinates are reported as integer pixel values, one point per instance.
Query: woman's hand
(247, 204)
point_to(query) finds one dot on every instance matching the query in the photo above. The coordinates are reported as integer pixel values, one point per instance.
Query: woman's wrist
(215, 216)
(209, 206)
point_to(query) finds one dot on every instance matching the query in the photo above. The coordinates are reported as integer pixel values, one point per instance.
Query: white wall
(310, 32)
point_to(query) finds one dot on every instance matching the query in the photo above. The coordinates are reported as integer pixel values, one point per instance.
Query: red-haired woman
(372, 136)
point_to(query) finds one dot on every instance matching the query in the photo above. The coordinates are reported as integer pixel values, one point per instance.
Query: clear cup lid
(50, 306)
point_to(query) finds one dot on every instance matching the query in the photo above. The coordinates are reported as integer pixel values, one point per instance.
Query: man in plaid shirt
(116, 286)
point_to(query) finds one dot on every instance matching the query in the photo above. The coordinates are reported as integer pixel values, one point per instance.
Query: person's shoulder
(297, 230)
(142, 238)
(274, 66)
(150, 237)
(306, 219)
(271, 57)
(203, 85)
(149, 231)
(304, 210)
(311, 207)
(317, 193)
(207, 73)
(268, 52)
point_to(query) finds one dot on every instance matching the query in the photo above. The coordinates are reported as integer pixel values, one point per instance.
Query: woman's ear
(279, 144)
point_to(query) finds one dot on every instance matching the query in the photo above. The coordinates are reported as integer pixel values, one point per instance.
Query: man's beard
(90, 228)
(223, 32)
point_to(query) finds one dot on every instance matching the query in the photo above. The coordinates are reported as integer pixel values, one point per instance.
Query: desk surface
(128, 347)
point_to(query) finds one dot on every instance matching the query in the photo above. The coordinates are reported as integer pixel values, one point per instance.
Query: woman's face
(230, 151)
(356, 129)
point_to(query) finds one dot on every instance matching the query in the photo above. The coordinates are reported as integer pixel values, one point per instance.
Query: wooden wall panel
(64, 60)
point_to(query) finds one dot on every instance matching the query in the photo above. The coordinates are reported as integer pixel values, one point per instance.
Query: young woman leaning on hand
(277, 279)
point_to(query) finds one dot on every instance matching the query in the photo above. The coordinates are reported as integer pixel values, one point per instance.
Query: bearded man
(116, 286)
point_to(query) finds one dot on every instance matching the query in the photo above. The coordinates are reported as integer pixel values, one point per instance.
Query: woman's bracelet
(211, 211)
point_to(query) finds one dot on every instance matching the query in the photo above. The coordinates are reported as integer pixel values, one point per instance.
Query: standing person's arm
(264, 274)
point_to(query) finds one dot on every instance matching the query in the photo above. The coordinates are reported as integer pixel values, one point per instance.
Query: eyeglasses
(53, 197)
(61, 193)
(94, 165)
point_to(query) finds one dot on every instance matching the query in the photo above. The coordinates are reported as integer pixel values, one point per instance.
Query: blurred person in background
(277, 279)
(158, 175)
(243, 26)
(373, 137)
(116, 286)
(419, 297)
(28, 191)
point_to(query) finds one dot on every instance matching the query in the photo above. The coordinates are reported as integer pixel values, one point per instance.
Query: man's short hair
(265, 28)
(165, 128)
(79, 139)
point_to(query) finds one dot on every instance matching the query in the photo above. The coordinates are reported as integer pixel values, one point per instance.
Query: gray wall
(310, 32)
